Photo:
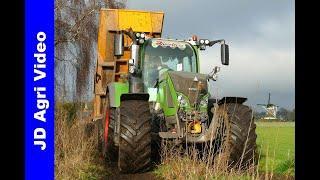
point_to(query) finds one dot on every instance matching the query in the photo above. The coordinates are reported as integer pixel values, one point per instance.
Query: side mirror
(224, 54)
(118, 44)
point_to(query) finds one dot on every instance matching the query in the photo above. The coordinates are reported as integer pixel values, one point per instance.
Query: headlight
(131, 61)
(201, 41)
(143, 35)
(141, 41)
(131, 69)
(206, 41)
(182, 100)
(138, 35)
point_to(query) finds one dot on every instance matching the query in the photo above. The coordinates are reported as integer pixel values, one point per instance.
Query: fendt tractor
(149, 88)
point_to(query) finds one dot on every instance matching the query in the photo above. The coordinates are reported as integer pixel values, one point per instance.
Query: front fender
(238, 100)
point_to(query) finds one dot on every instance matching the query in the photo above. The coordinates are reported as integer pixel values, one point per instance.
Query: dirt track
(142, 176)
(115, 174)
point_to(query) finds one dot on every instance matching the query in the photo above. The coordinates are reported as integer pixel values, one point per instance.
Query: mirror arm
(211, 43)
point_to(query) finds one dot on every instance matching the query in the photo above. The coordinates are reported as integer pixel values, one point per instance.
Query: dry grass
(207, 161)
(187, 163)
(76, 155)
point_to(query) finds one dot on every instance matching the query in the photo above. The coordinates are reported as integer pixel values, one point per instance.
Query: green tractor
(165, 97)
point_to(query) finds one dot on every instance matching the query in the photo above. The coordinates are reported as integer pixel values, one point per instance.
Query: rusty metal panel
(111, 19)
(102, 39)
(109, 50)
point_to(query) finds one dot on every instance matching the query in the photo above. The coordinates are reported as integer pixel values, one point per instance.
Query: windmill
(271, 109)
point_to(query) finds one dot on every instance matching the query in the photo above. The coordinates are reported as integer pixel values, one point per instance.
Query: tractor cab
(160, 55)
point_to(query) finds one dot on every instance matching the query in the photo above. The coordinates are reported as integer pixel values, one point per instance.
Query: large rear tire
(134, 151)
(239, 138)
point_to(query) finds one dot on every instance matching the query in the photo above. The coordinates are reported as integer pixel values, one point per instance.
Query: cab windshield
(163, 55)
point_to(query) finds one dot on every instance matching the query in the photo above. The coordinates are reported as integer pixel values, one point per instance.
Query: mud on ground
(116, 175)
(142, 176)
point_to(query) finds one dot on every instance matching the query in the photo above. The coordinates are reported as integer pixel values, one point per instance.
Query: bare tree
(76, 28)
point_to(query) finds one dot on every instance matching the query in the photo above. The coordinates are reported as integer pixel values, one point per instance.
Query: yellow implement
(111, 68)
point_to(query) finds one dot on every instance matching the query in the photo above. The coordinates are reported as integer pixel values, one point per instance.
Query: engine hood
(190, 84)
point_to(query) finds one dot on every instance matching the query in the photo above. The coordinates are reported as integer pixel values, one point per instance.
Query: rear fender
(114, 91)
(134, 96)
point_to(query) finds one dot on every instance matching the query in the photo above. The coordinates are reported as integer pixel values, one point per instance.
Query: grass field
(276, 147)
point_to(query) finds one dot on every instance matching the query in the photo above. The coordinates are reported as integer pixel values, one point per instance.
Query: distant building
(271, 110)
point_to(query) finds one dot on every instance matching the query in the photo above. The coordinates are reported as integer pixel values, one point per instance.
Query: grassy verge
(76, 155)
(181, 164)
(275, 145)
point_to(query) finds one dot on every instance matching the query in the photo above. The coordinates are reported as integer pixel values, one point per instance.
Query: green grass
(276, 145)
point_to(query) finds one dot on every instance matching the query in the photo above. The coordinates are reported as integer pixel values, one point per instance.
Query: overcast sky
(261, 39)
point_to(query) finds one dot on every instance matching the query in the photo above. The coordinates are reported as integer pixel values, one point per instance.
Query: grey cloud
(261, 39)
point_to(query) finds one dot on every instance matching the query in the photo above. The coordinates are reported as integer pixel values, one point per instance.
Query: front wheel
(238, 135)
(134, 151)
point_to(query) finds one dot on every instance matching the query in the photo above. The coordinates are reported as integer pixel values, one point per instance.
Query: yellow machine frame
(112, 68)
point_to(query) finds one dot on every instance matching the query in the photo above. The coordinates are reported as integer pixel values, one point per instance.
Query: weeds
(183, 163)
(177, 163)
(76, 155)
(287, 167)
(204, 161)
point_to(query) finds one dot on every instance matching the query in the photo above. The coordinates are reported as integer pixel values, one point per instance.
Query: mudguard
(238, 100)
(114, 91)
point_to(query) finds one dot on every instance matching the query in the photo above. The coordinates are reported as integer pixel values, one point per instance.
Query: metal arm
(130, 33)
(211, 43)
